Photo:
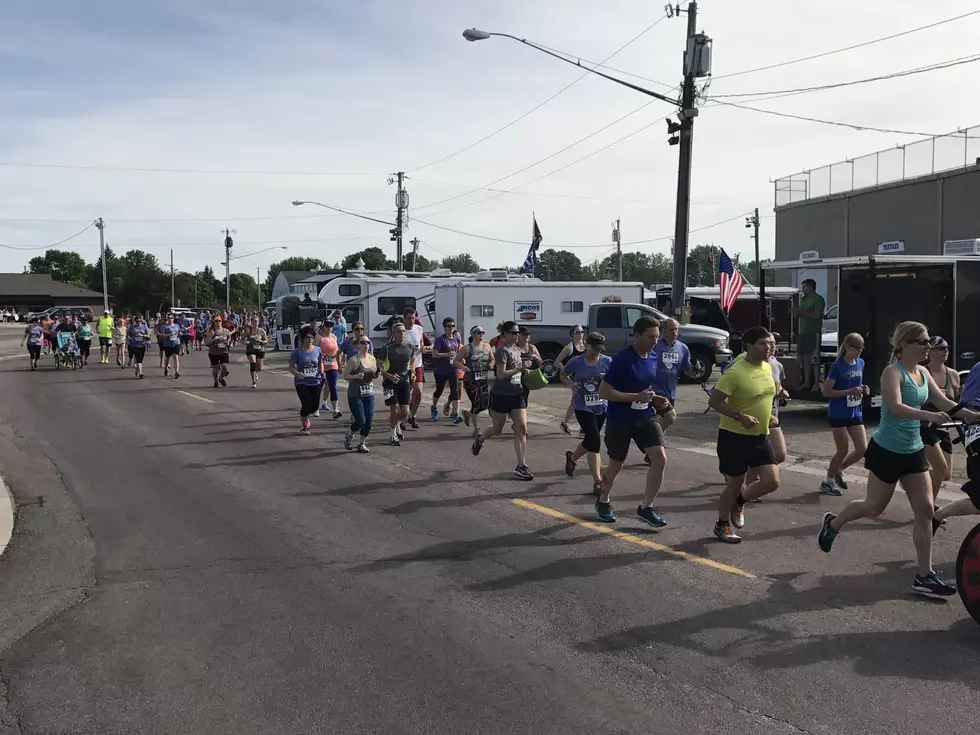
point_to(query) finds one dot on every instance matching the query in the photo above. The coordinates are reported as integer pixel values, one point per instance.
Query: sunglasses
(479, 331)
(364, 342)
(924, 342)
(514, 332)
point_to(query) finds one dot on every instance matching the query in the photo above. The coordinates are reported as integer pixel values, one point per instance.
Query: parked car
(830, 320)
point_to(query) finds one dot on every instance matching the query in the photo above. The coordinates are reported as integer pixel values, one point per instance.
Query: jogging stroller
(67, 355)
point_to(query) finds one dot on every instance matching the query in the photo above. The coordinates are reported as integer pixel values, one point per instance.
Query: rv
(551, 309)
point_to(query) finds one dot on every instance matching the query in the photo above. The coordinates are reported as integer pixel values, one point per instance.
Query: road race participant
(444, 352)
(810, 315)
(846, 390)
(186, 334)
(349, 346)
(416, 337)
(119, 342)
(255, 342)
(583, 374)
(158, 329)
(83, 338)
(938, 443)
(673, 359)
(631, 417)
(339, 325)
(776, 438)
(65, 325)
(969, 505)
(531, 359)
(200, 328)
(169, 340)
(218, 341)
(507, 398)
(306, 367)
(744, 397)
(230, 324)
(896, 453)
(104, 329)
(476, 359)
(139, 339)
(47, 327)
(34, 337)
(360, 371)
(574, 348)
(331, 362)
(395, 360)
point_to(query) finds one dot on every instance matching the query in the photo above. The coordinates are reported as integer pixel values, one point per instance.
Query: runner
(896, 454)
(119, 341)
(47, 328)
(105, 337)
(673, 359)
(396, 359)
(475, 360)
(573, 349)
(350, 345)
(938, 443)
(169, 341)
(186, 334)
(583, 374)
(83, 338)
(360, 372)
(306, 367)
(331, 351)
(218, 341)
(507, 398)
(139, 338)
(846, 390)
(339, 326)
(255, 342)
(158, 329)
(970, 505)
(415, 335)
(530, 358)
(444, 352)
(200, 329)
(34, 337)
(628, 386)
(776, 437)
(744, 397)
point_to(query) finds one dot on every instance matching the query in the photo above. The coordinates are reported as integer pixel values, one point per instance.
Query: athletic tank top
(478, 363)
(575, 351)
(946, 388)
(897, 434)
(364, 386)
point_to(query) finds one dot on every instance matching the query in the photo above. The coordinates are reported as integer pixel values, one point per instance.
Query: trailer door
(966, 345)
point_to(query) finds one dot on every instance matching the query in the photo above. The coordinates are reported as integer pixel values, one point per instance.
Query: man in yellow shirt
(105, 336)
(744, 397)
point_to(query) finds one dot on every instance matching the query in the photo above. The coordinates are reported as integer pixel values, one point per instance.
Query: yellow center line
(194, 395)
(637, 540)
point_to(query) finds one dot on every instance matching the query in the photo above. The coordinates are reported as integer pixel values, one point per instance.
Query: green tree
(63, 265)
(143, 285)
(374, 260)
(558, 265)
(462, 263)
(424, 265)
(702, 265)
(290, 264)
(243, 290)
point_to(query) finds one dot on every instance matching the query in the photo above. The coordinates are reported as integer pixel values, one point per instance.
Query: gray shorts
(808, 347)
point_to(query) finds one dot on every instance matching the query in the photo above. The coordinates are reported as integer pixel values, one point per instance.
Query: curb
(6, 516)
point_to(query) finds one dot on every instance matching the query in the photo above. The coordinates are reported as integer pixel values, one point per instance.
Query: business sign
(892, 246)
(809, 255)
(528, 311)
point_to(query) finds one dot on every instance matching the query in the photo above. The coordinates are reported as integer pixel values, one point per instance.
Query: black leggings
(34, 351)
(441, 380)
(85, 347)
(591, 424)
(309, 399)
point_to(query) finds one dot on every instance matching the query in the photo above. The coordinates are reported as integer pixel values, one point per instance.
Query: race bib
(592, 399)
(639, 405)
(367, 389)
(854, 401)
(515, 379)
(311, 371)
(221, 344)
(388, 393)
(971, 436)
(329, 360)
(480, 376)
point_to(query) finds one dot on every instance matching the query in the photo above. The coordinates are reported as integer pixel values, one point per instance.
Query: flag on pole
(730, 282)
(532, 254)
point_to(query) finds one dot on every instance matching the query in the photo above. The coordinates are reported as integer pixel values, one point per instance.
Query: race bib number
(854, 401)
(388, 393)
(515, 379)
(592, 399)
(221, 344)
(367, 389)
(329, 360)
(971, 436)
(480, 376)
(311, 371)
(639, 405)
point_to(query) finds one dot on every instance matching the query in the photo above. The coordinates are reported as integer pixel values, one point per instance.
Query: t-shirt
(171, 335)
(778, 377)
(185, 327)
(34, 335)
(219, 342)
(105, 326)
(588, 377)
(672, 360)
(415, 336)
(339, 331)
(67, 327)
(84, 333)
(330, 350)
(308, 365)
(750, 389)
(139, 335)
(845, 377)
(631, 373)
(444, 365)
(508, 358)
(396, 359)
(812, 302)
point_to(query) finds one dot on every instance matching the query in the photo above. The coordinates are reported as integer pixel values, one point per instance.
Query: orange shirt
(330, 350)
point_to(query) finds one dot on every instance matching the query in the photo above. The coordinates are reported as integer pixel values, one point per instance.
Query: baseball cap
(938, 343)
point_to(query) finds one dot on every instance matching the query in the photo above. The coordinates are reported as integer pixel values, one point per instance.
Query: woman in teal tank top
(896, 454)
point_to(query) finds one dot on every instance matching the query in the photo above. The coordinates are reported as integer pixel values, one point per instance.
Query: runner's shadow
(413, 506)
(571, 568)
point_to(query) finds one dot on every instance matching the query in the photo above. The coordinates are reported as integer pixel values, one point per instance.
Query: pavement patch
(637, 540)
(194, 395)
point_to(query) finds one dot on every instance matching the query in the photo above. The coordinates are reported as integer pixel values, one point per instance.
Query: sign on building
(891, 247)
(528, 311)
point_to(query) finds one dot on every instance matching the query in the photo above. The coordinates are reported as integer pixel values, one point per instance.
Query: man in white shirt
(415, 335)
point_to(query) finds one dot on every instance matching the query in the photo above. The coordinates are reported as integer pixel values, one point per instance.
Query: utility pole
(619, 247)
(696, 63)
(415, 253)
(105, 291)
(229, 243)
(401, 204)
(753, 222)
(173, 300)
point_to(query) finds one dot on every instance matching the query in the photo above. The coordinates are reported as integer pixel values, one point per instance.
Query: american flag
(532, 254)
(729, 282)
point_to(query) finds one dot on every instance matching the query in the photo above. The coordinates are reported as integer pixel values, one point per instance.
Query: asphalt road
(184, 562)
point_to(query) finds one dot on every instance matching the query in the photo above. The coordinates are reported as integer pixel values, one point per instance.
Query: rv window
(609, 317)
(350, 289)
(481, 311)
(571, 307)
(392, 305)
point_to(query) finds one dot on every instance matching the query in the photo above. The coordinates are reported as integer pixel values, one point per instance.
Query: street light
(298, 203)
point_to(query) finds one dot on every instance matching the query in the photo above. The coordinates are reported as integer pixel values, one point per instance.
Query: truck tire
(702, 363)
(549, 354)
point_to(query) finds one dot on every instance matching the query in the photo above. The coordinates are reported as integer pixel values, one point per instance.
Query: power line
(52, 245)
(846, 48)
(192, 220)
(141, 246)
(542, 104)
(220, 172)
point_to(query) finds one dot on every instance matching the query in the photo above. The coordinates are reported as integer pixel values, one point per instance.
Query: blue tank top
(902, 435)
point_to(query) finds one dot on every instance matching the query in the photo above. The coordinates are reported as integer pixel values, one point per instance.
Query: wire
(353, 214)
(52, 245)
(140, 246)
(542, 104)
(133, 169)
(846, 48)
(907, 72)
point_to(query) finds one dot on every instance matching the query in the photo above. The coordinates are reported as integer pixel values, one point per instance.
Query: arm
(352, 370)
(829, 391)
(719, 402)
(464, 352)
(609, 393)
(562, 356)
(891, 394)
(536, 360)
(938, 399)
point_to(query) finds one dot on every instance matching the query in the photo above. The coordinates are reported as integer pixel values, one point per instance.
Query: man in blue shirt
(970, 505)
(673, 358)
(634, 403)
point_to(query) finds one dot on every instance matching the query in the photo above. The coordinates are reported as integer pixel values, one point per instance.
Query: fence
(921, 158)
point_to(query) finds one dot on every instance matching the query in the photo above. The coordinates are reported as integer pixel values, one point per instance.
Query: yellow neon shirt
(750, 389)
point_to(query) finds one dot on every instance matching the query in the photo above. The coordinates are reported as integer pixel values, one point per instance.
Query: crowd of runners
(621, 400)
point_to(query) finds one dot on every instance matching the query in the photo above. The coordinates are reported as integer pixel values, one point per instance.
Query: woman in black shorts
(938, 443)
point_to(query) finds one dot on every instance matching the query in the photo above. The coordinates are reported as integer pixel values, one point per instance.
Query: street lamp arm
(258, 252)
(344, 211)
(622, 82)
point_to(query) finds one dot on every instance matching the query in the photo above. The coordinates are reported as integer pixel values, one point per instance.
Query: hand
(394, 378)
(748, 421)
(940, 417)
(645, 396)
(773, 420)
(857, 391)
(661, 403)
(576, 388)
(867, 390)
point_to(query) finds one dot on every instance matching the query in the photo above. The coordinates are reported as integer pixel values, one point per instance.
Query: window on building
(481, 311)
(394, 305)
(609, 317)
(572, 307)
(350, 289)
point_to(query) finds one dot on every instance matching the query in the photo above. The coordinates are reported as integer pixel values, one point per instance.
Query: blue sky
(307, 90)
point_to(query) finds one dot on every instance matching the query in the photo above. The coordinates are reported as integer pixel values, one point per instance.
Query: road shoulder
(6, 516)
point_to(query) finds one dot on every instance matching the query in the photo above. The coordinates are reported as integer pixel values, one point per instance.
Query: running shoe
(176, 375)
(362, 448)
(521, 472)
(338, 415)
(457, 419)
(141, 376)
(466, 417)
(305, 431)
(737, 516)
(564, 427)
(394, 441)
(605, 512)
(570, 464)
(597, 487)
(216, 384)
(932, 585)
(827, 534)
(400, 432)
(254, 384)
(477, 445)
(829, 487)
(166, 372)
(648, 514)
(412, 422)
(841, 482)
(724, 532)
(223, 382)
(317, 413)
(434, 413)
(349, 440)
(325, 406)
